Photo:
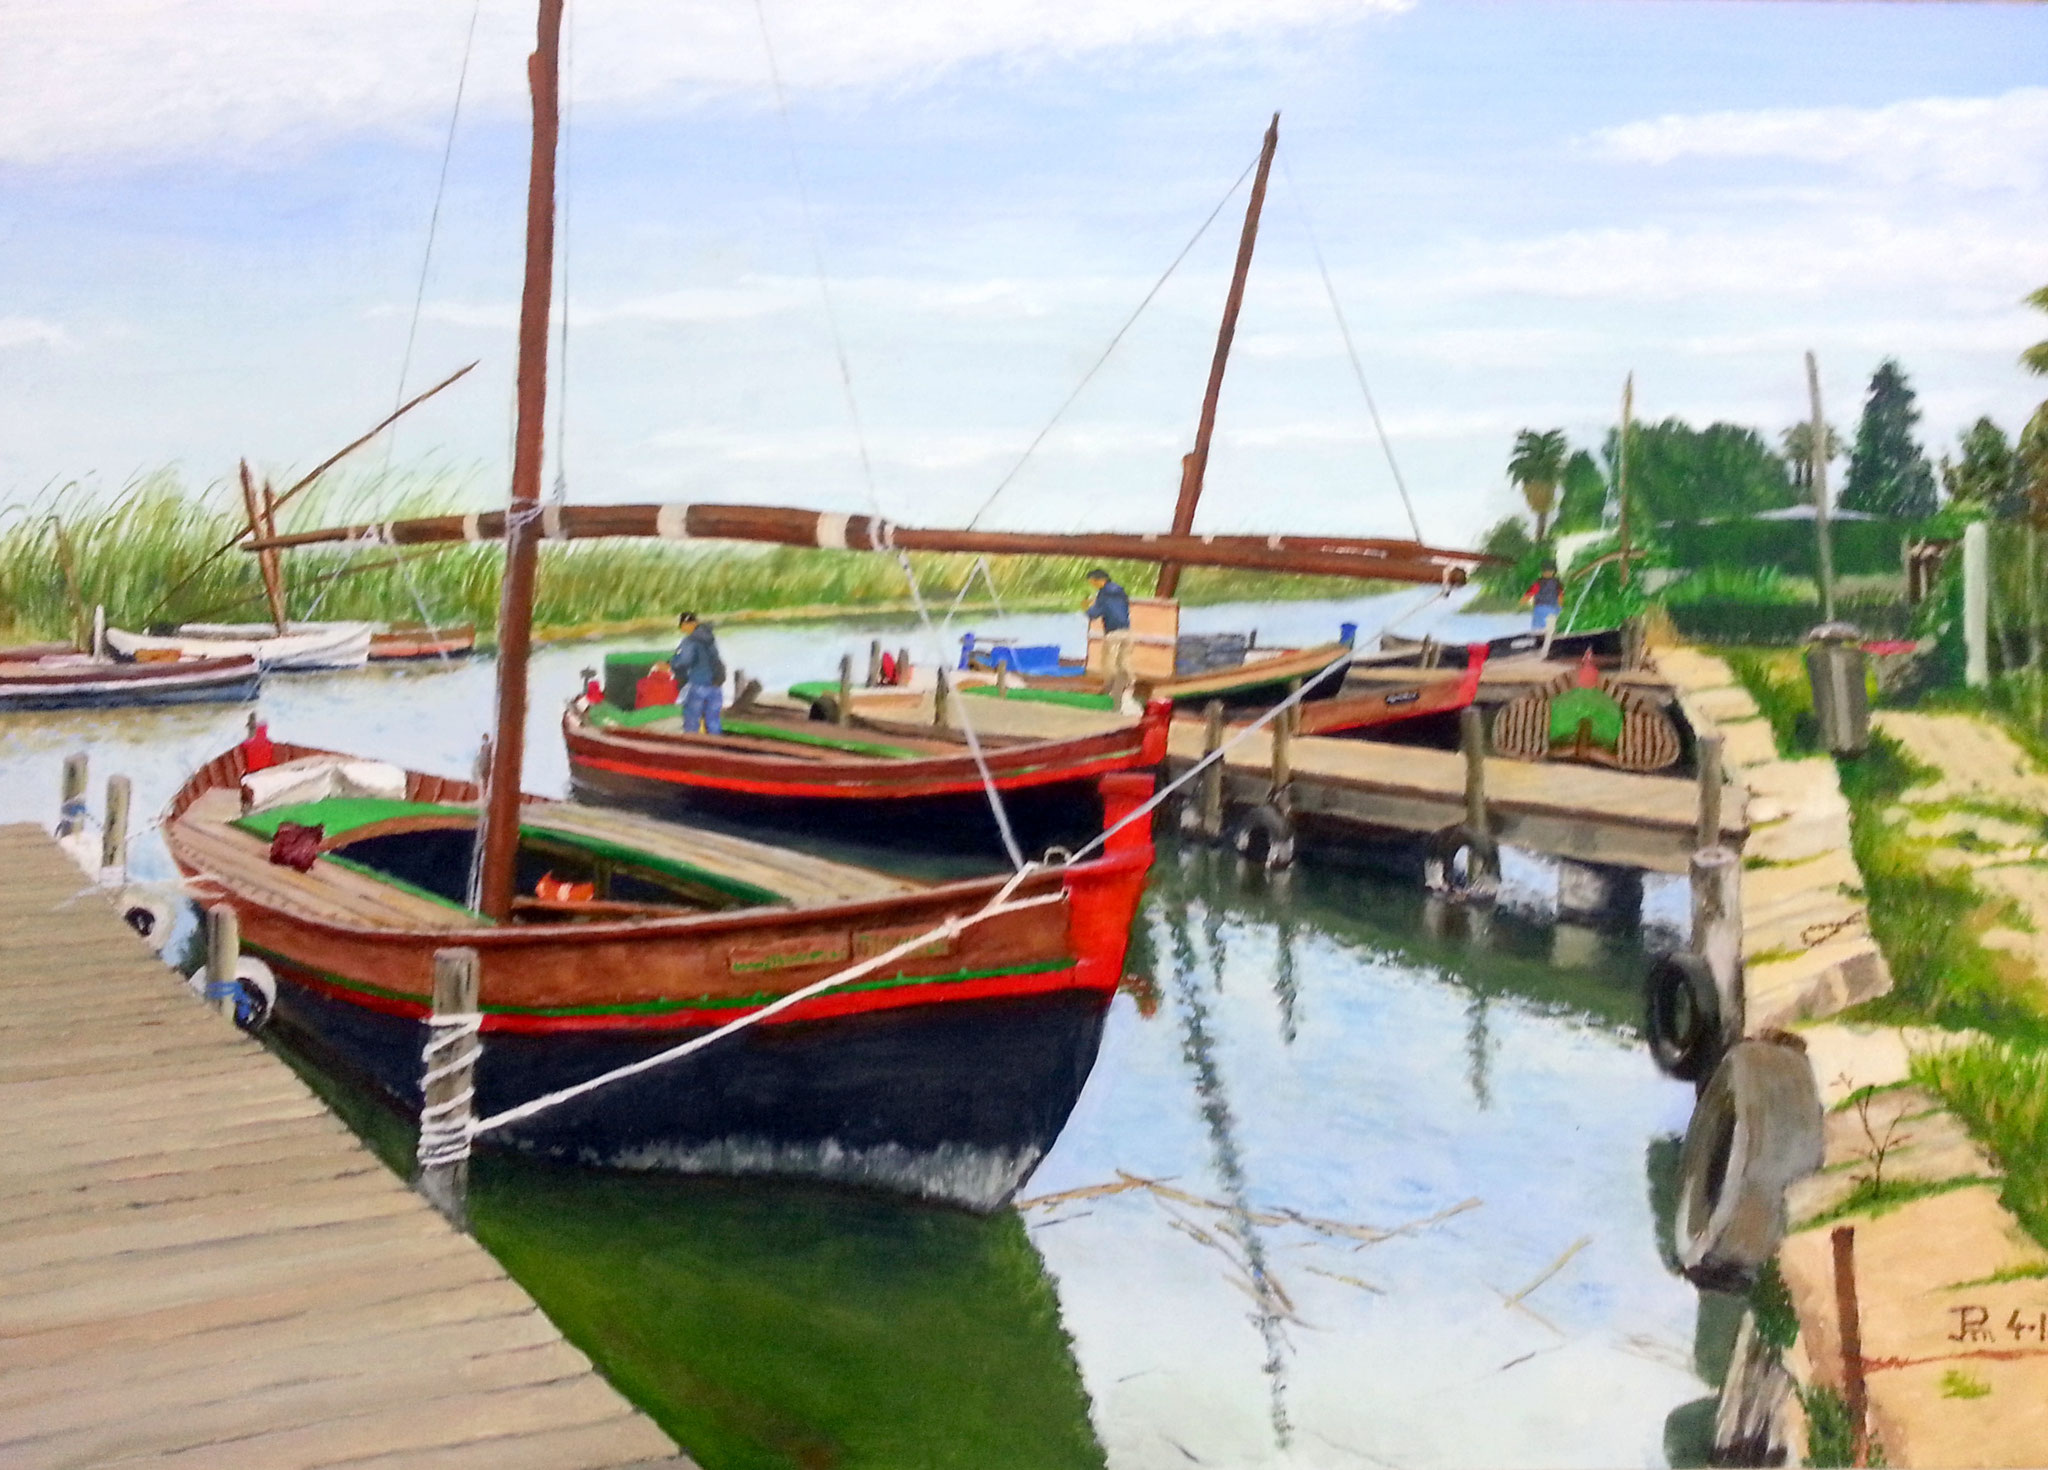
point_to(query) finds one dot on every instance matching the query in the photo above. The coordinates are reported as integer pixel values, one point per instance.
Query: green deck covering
(1593, 705)
(1072, 698)
(607, 717)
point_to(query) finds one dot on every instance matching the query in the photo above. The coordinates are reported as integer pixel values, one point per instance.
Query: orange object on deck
(657, 686)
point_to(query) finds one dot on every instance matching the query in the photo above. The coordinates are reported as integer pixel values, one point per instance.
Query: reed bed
(143, 556)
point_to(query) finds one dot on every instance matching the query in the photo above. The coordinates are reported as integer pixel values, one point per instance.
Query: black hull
(239, 691)
(1067, 813)
(954, 1102)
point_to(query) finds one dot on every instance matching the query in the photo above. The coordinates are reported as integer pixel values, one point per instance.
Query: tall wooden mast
(500, 831)
(1197, 464)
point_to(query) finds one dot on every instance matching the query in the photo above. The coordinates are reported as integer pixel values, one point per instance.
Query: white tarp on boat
(300, 646)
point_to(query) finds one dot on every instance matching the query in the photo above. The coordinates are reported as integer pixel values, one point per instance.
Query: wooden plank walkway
(1579, 812)
(201, 1266)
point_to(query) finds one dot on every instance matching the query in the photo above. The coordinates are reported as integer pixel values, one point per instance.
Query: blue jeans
(701, 706)
(1545, 615)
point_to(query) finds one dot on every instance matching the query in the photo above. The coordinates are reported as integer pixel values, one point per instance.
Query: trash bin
(1836, 668)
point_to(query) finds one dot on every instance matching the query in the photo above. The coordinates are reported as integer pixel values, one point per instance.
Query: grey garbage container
(1836, 667)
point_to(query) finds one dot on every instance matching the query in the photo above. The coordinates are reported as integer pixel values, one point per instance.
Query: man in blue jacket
(700, 675)
(1113, 606)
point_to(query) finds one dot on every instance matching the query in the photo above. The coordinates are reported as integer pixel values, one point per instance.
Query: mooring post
(1211, 809)
(1717, 929)
(223, 955)
(739, 687)
(874, 662)
(99, 631)
(1855, 1393)
(1976, 605)
(1472, 740)
(114, 832)
(844, 714)
(1634, 639)
(1283, 756)
(941, 688)
(1709, 834)
(1003, 679)
(71, 795)
(448, 1085)
(903, 665)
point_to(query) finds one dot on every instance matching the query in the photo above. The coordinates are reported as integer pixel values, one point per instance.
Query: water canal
(1354, 1182)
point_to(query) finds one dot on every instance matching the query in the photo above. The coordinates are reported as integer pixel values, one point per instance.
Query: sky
(214, 217)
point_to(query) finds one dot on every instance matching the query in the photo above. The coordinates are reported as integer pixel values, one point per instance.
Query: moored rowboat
(946, 1075)
(299, 646)
(53, 676)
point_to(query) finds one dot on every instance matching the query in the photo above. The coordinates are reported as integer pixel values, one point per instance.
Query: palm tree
(2035, 358)
(1536, 466)
(1798, 442)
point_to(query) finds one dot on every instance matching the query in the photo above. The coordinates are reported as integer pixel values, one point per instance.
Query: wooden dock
(200, 1265)
(1582, 813)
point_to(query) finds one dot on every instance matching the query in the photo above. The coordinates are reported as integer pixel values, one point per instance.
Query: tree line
(1678, 474)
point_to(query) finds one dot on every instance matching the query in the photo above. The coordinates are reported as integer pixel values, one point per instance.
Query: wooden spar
(308, 478)
(500, 816)
(259, 528)
(1817, 460)
(1628, 404)
(1402, 561)
(1196, 465)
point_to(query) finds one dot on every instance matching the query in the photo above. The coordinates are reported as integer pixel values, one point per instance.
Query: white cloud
(157, 78)
(30, 331)
(1971, 142)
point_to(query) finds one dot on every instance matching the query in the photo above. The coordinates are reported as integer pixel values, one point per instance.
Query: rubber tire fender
(1264, 834)
(1440, 863)
(825, 709)
(255, 994)
(1682, 1015)
(1755, 1130)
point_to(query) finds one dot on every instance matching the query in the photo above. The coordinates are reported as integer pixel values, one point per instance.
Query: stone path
(1806, 944)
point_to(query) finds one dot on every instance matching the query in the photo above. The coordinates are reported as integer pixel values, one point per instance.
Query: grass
(2000, 1090)
(1830, 1437)
(126, 554)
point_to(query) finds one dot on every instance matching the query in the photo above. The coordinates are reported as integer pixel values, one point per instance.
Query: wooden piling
(874, 662)
(448, 1085)
(114, 829)
(844, 714)
(71, 794)
(1211, 808)
(903, 665)
(1710, 791)
(941, 690)
(223, 955)
(1855, 1392)
(1283, 752)
(739, 688)
(1472, 741)
(1717, 928)
(1002, 681)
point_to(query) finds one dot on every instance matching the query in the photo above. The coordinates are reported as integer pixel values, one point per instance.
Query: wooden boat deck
(337, 894)
(202, 1266)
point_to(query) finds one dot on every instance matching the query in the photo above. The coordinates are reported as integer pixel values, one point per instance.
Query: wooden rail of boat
(942, 767)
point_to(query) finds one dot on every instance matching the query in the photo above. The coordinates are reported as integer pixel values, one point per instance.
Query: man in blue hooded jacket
(700, 675)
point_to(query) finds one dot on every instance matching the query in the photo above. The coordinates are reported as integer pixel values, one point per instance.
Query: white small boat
(299, 646)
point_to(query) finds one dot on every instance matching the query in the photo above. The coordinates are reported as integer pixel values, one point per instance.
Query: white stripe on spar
(551, 522)
(672, 522)
(472, 527)
(831, 533)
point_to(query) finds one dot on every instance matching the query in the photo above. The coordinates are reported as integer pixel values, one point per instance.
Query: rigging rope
(951, 927)
(938, 647)
(1114, 340)
(1351, 348)
(561, 486)
(434, 218)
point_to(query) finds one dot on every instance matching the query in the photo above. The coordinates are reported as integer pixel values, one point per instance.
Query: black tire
(1682, 1016)
(1756, 1129)
(825, 709)
(1461, 864)
(1263, 834)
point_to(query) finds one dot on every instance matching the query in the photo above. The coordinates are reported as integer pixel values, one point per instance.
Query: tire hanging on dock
(1756, 1130)
(1264, 834)
(1682, 1016)
(1461, 864)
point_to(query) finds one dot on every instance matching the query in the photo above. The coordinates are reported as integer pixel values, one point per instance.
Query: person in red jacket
(1544, 597)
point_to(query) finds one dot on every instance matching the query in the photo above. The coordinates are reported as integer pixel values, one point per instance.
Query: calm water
(1355, 1181)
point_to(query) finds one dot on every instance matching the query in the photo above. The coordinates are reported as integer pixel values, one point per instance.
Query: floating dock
(200, 1265)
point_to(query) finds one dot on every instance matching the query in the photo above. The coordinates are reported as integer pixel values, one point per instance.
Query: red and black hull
(954, 1101)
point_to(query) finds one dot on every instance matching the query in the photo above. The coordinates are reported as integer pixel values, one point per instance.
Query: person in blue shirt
(1112, 605)
(700, 676)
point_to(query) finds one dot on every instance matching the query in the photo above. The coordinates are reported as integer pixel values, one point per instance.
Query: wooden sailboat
(889, 780)
(604, 937)
(58, 676)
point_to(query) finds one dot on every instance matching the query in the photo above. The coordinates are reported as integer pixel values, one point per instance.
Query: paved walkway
(199, 1265)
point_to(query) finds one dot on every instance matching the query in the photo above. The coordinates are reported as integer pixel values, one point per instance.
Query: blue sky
(212, 215)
